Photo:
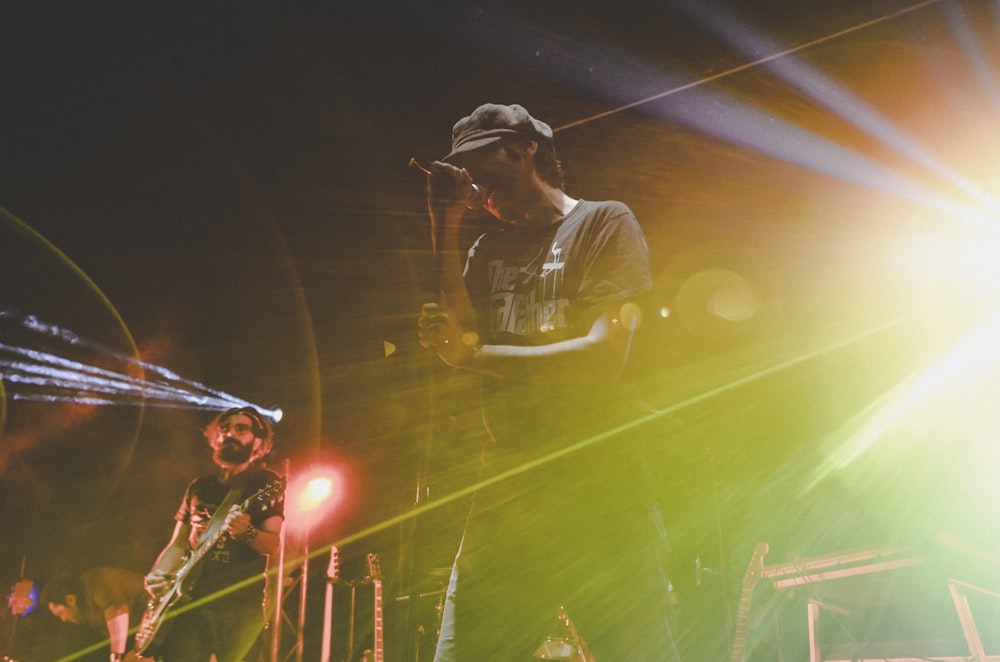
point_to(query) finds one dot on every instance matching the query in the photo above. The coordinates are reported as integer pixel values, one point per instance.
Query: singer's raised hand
(450, 186)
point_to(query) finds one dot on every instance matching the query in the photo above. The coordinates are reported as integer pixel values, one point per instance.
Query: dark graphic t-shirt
(230, 561)
(537, 287)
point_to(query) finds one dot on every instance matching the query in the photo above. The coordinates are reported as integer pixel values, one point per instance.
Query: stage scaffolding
(951, 584)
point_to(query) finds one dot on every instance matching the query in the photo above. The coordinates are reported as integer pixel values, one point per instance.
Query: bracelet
(117, 657)
(250, 534)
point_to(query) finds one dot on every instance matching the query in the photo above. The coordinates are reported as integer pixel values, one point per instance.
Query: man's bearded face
(236, 442)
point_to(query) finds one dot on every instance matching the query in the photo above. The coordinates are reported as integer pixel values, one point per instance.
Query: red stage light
(311, 496)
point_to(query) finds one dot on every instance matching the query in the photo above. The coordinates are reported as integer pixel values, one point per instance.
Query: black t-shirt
(230, 561)
(536, 287)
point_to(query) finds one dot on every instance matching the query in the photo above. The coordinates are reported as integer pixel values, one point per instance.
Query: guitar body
(154, 617)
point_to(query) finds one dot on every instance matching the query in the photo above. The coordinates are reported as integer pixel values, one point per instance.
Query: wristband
(249, 535)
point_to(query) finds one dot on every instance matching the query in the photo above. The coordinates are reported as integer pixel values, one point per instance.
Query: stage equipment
(374, 579)
(332, 575)
(424, 634)
(881, 590)
(750, 579)
(564, 642)
(309, 498)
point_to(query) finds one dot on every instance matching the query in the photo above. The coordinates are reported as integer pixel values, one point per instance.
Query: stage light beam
(37, 373)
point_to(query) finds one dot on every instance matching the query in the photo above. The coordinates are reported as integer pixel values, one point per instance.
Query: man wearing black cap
(543, 307)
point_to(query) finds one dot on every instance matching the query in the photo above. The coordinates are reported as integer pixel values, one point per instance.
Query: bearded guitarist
(226, 616)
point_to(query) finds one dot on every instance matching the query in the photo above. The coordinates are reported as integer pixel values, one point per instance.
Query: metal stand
(280, 618)
(564, 642)
(279, 592)
(859, 563)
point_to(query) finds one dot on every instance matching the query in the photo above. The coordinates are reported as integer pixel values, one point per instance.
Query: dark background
(222, 189)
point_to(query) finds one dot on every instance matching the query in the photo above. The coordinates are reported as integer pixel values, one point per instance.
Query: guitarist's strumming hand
(158, 583)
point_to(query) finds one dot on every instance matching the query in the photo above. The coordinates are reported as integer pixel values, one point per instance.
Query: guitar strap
(235, 494)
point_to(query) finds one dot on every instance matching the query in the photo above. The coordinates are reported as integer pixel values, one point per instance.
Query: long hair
(547, 164)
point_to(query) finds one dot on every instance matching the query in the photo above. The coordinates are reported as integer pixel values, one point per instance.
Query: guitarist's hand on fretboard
(237, 523)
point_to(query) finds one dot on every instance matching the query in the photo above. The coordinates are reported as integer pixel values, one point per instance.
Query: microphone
(478, 197)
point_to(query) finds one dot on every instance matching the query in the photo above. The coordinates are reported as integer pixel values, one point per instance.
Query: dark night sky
(230, 181)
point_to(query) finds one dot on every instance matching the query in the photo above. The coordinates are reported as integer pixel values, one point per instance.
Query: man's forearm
(266, 542)
(117, 620)
(170, 559)
(597, 357)
(452, 281)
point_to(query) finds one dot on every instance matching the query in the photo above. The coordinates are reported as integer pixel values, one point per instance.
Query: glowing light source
(23, 598)
(317, 491)
(311, 496)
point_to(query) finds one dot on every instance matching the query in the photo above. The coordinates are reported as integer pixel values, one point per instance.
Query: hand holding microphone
(449, 189)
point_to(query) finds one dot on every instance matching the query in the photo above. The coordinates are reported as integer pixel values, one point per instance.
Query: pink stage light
(311, 496)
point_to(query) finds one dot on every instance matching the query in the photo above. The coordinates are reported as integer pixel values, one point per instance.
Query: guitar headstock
(756, 566)
(333, 569)
(374, 567)
(270, 495)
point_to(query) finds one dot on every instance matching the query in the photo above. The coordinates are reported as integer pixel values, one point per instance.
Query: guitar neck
(746, 596)
(375, 573)
(377, 644)
(742, 619)
(196, 555)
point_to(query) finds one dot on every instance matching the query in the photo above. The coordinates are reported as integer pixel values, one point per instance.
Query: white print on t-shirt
(527, 299)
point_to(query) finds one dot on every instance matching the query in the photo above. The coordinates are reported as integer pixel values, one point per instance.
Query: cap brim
(471, 146)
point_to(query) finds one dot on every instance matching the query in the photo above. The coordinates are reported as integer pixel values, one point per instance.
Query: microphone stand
(408, 527)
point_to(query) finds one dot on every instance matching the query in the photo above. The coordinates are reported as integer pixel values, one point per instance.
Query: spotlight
(312, 495)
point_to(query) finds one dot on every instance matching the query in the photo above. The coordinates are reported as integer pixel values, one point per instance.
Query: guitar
(157, 608)
(376, 654)
(332, 577)
(750, 579)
